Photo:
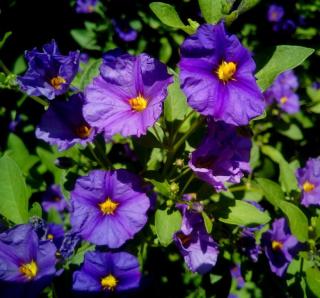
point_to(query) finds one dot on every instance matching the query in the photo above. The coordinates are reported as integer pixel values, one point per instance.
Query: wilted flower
(223, 156)
(309, 181)
(217, 76)
(69, 243)
(27, 265)
(49, 73)
(107, 272)
(109, 207)
(53, 198)
(86, 6)
(63, 124)
(275, 13)
(279, 246)
(199, 250)
(127, 96)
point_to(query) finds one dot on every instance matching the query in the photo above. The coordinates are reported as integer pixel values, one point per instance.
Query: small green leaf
(175, 105)
(85, 38)
(246, 5)
(287, 176)
(166, 224)
(244, 214)
(207, 222)
(298, 222)
(13, 192)
(35, 210)
(283, 58)
(271, 190)
(4, 38)
(293, 132)
(91, 71)
(20, 154)
(315, 108)
(54, 216)
(314, 94)
(212, 10)
(313, 280)
(77, 258)
(167, 14)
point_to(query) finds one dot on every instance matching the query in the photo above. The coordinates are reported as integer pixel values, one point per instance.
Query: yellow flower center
(276, 245)
(29, 270)
(108, 206)
(83, 131)
(283, 99)
(56, 82)
(90, 8)
(226, 71)
(138, 103)
(50, 237)
(307, 186)
(109, 282)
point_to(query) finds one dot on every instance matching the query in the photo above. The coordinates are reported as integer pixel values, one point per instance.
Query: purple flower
(86, 6)
(124, 31)
(275, 13)
(247, 244)
(222, 157)
(109, 207)
(309, 181)
(236, 274)
(107, 272)
(279, 246)
(84, 58)
(127, 96)
(53, 198)
(316, 85)
(282, 92)
(49, 73)
(63, 124)
(199, 250)
(286, 26)
(55, 233)
(25, 261)
(69, 244)
(217, 76)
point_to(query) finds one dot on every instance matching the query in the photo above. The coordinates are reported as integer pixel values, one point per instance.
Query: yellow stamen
(108, 206)
(276, 245)
(50, 236)
(307, 186)
(138, 103)
(29, 270)
(109, 282)
(83, 131)
(226, 70)
(283, 99)
(56, 82)
(90, 8)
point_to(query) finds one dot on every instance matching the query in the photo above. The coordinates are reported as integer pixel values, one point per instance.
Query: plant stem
(40, 100)
(103, 154)
(98, 160)
(187, 184)
(181, 123)
(5, 68)
(181, 174)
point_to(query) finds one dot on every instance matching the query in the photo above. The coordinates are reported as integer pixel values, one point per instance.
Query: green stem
(187, 184)
(181, 174)
(157, 133)
(103, 154)
(40, 100)
(5, 68)
(96, 157)
(181, 123)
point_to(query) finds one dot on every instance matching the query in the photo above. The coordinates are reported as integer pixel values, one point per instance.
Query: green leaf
(283, 58)
(293, 132)
(166, 224)
(315, 108)
(175, 105)
(77, 258)
(20, 154)
(298, 222)
(54, 216)
(13, 192)
(85, 38)
(4, 39)
(287, 176)
(35, 210)
(207, 222)
(212, 10)
(245, 5)
(313, 93)
(272, 191)
(91, 71)
(20, 65)
(167, 14)
(313, 280)
(162, 187)
(244, 214)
